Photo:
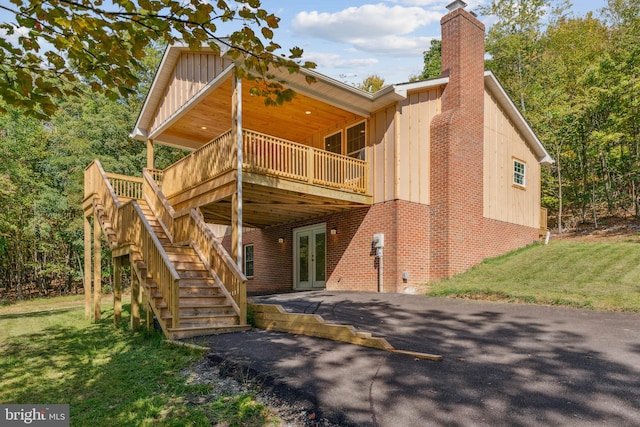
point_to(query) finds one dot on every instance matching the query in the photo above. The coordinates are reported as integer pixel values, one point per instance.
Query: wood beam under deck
(283, 201)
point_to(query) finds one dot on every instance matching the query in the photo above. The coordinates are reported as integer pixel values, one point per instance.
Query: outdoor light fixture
(334, 231)
(280, 240)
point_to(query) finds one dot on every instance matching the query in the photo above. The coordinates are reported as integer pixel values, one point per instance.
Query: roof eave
(521, 123)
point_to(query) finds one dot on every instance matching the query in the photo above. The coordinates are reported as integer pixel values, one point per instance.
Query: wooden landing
(273, 317)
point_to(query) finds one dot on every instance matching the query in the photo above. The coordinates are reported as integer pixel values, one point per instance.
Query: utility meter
(378, 240)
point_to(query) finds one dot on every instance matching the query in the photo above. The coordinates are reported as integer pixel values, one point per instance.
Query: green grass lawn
(109, 376)
(594, 275)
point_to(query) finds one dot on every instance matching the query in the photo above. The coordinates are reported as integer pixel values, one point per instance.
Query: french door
(310, 257)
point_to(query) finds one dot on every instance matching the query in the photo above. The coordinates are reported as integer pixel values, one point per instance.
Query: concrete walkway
(504, 364)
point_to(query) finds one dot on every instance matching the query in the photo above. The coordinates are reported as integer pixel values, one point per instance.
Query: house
(338, 189)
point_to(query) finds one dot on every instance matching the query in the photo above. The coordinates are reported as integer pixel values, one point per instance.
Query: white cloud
(335, 60)
(367, 21)
(394, 45)
(17, 33)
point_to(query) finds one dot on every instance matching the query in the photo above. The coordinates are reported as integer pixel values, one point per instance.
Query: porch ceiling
(294, 121)
(264, 206)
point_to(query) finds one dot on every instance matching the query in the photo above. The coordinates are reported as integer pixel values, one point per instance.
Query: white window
(519, 173)
(333, 143)
(248, 260)
(356, 141)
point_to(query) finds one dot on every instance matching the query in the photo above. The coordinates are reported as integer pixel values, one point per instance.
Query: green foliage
(599, 276)
(241, 410)
(108, 376)
(575, 80)
(432, 61)
(372, 84)
(56, 49)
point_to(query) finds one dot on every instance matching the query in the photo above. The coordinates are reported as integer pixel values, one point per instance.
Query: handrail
(158, 202)
(98, 185)
(129, 187)
(203, 164)
(234, 283)
(137, 232)
(160, 268)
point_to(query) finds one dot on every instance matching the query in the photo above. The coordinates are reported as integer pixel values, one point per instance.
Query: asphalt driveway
(504, 364)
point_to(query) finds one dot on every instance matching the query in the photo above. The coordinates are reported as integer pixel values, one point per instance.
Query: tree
(54, 46)
(372, 84)
(514, 43)
(432, 60)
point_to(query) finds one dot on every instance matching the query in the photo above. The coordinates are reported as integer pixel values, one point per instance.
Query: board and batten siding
(191, 73)
(400, 148)
(502, 144)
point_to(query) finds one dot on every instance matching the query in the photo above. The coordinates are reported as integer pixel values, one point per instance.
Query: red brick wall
(351, 261)
(502, 237)
(456, 150)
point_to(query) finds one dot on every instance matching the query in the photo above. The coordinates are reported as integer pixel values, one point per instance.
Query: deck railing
(127, 187)
(278, 157)
(267, 155)
(203, 164)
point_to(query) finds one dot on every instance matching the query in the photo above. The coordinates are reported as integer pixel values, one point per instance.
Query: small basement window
(519, 173)
(248, 260)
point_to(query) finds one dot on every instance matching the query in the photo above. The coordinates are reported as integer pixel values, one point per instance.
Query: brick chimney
(457, 148)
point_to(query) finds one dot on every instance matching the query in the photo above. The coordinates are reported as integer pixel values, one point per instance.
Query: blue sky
(350, 40)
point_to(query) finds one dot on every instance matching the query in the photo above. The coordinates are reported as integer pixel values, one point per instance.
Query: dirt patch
(609, 230)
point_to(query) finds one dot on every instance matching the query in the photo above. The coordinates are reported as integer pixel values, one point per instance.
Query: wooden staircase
(188, 280)
(204, 308)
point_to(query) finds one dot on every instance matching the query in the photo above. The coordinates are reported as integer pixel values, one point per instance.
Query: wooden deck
(282, 181)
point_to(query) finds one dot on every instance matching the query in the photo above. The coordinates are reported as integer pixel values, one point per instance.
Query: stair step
(179, 333)
(189, 303)
(177, 249)
(193, 274)
(183, 257)
(196, 282)
(208, 292)
(184, 265)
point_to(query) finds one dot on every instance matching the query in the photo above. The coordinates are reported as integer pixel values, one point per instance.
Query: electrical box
(378, 240)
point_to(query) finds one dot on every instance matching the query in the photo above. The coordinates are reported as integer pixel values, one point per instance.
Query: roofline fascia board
(336, 83)
(494, 83)
(403, 88)
(195, 100)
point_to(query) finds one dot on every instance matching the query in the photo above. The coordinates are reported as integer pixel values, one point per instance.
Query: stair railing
(136, 230)
(159, 267)
(157, 202)
(190, 226)
(97, 185)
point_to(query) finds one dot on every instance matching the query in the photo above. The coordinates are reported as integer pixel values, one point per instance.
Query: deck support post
(150, 157)
(87, 267)
(117, 291)
(236, 203)
(135, 302)
(97, 267)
